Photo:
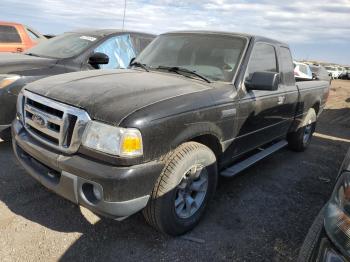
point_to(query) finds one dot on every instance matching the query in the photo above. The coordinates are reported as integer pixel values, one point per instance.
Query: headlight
(337, 214)
(125, 142)
(8, 80)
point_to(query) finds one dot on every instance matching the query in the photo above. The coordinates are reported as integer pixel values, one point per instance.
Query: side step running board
(240, 166)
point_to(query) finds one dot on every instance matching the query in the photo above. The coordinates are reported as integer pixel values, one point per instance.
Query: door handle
(281, 100)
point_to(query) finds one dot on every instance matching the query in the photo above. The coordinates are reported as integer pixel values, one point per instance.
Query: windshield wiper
(138, 64)
(31, 54)
(178, 70)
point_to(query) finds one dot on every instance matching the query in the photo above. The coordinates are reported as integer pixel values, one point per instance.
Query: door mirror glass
(267, 81)
(97, 59)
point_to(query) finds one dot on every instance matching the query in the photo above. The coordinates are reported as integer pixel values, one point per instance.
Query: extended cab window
(263, 59)
(287, 66)
(9, 34)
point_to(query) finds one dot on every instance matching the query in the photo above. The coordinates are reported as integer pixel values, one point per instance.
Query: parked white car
(334, 71)
(343, 72)
(302, 71)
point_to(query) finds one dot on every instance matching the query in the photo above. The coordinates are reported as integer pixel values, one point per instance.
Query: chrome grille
(53, 123)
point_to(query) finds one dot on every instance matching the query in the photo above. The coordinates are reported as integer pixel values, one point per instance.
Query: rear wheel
(299, 140)
(182, 191)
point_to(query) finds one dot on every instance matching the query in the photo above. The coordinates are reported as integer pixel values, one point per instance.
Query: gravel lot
(261, 215)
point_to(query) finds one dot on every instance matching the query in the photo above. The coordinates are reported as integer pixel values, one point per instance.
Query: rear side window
(263, 59)
(9, 34)
(303, 69)
(286, 66)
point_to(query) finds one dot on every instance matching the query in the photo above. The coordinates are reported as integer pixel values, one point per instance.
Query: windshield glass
(63, 46)
(329, 68)
(214, 56)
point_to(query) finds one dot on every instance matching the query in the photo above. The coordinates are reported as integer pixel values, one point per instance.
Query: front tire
(185, 186)
(300, 139)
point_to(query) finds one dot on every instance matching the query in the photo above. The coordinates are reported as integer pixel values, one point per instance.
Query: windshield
(213, 56)
(330, 68)
(63, 46)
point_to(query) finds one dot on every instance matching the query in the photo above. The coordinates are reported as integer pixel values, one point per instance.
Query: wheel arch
(210, 141)
(316, 107)
(207, 134)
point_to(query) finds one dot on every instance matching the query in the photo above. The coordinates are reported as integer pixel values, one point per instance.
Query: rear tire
(182, 191)
(300, 139)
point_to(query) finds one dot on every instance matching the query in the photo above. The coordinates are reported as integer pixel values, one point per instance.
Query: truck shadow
(285, 188)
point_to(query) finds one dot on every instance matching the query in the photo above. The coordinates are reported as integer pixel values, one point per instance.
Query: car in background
(343, 73)
(320, 73)
(347, 68)
(329, 236)
(333, 70)
(17, 38)
(302, 71)
(72, 51)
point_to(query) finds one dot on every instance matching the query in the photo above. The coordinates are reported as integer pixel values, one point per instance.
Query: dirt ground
(261, 215)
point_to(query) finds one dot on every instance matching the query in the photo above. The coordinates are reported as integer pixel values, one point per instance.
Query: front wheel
(181, 193)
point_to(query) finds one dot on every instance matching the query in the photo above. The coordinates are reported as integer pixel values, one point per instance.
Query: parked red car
(17, 37)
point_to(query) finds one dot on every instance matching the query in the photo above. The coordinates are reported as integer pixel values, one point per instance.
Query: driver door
(260, 118)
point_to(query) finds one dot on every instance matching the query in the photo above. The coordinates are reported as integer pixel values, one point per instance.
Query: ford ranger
(156, 136)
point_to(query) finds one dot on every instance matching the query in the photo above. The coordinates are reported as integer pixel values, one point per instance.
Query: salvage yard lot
(263, 214)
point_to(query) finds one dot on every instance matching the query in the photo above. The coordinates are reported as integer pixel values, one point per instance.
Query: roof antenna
(124, 14)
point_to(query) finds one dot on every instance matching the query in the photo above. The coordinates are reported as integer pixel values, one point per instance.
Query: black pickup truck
(156, 136)
(79, 50)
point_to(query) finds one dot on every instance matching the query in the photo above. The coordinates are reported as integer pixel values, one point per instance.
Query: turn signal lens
(131, 144)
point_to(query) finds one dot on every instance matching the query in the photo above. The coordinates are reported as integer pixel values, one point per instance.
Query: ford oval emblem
(39, 120)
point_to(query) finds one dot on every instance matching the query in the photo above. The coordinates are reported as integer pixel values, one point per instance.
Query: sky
(314, 29)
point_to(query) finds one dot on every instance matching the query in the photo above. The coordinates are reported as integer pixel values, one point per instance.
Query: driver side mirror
(97, 59)
(267, 81)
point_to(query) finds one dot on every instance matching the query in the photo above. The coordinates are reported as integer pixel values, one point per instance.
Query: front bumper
(124, 190)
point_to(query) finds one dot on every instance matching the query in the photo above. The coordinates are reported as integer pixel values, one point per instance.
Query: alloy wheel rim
(191, 191)
(307, 133)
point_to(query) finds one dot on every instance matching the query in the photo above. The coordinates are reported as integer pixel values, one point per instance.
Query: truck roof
(250, 36)
(105, 32)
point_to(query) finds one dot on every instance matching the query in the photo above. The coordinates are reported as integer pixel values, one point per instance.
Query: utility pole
(124, 14)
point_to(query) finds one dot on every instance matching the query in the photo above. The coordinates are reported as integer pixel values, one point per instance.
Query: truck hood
(12, 63)
(111, 95)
